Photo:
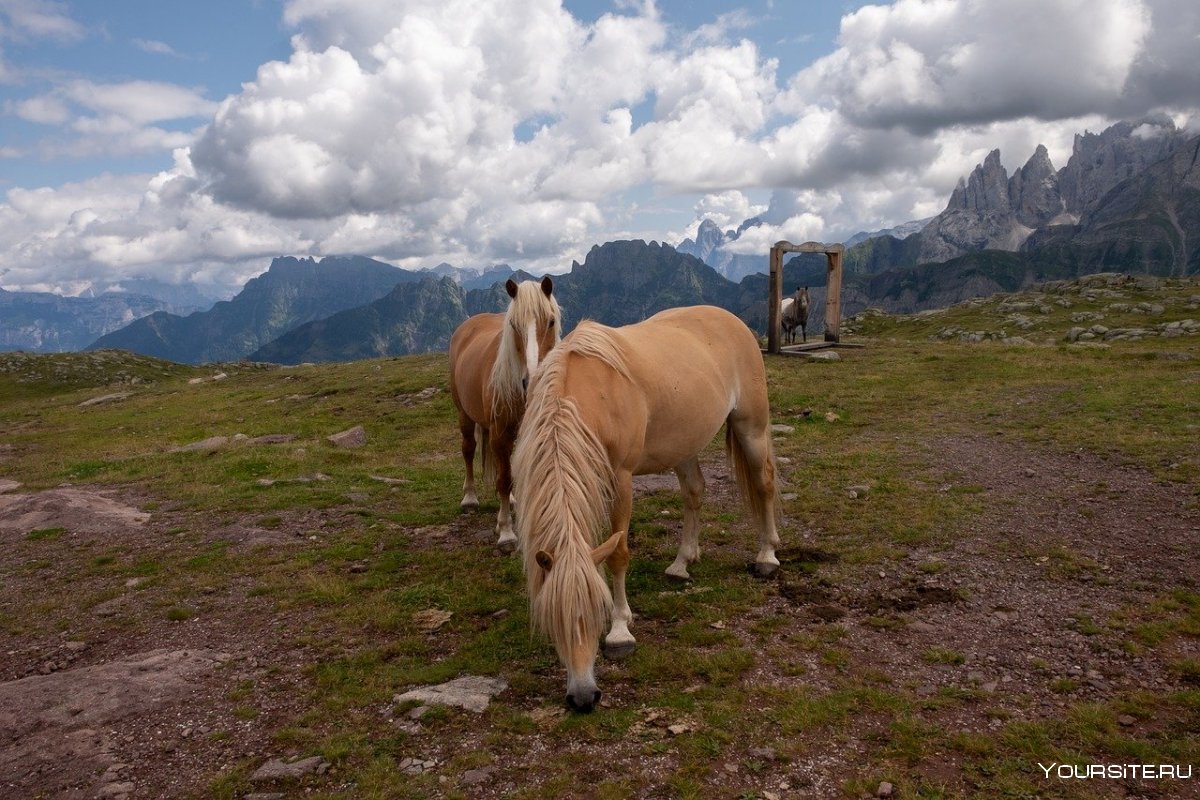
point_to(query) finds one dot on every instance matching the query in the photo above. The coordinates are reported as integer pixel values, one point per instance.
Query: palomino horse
(611, 403)
(794, 314)
(491, 358)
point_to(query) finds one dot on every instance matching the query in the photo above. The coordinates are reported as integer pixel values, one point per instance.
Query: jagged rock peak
(1033, 191)
(987, 188)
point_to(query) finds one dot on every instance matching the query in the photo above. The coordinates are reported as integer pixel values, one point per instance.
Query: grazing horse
(611, 403)
(491, 358)
(794, 314)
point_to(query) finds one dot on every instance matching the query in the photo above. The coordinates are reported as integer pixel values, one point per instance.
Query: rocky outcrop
(979, 216)
(1033, 193)
(992, 211)
(1100, 161)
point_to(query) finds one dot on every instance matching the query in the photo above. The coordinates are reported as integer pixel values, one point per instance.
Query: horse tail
(761, 503)
(487, 464)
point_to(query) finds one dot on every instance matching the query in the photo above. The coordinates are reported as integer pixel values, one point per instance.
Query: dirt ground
(1064, 538)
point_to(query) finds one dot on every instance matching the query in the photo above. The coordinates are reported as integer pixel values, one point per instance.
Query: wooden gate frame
(833, 289)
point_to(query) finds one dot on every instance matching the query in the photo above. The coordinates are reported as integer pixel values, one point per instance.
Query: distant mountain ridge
(618, 283)
(41, 322)
(290, 293)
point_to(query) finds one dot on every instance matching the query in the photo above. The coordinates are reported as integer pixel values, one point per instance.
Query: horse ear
(605, 550)
(544, 560)
(547, 285)
(510, 286)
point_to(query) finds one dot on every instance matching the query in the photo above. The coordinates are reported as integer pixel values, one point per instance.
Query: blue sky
(194, 141)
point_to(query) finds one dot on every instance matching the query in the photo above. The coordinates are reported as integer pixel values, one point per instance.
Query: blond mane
(564, 485)
(530, 305)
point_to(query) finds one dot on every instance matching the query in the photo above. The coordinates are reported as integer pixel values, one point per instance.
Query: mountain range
(1128, 199)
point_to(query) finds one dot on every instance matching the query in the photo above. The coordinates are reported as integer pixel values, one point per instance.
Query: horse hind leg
(691, 485)
(470, 500)
(748, 442)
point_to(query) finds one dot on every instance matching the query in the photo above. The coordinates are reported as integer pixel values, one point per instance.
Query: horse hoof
(468, 508)
(507, 546)
(763, 569)
(684, 578)
(619, 651)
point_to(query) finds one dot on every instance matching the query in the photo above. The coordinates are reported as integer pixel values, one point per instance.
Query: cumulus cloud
(431, 130)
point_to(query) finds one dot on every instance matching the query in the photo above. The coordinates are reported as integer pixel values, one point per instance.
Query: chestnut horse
(611, 403)
(491, 358)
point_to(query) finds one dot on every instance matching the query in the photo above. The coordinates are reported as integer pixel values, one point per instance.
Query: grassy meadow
(739, 688)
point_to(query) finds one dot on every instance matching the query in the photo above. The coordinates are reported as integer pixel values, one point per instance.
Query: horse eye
(550, 324)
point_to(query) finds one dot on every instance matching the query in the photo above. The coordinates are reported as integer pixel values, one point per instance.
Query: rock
(354, 437)
(278, 770)
(431, 619)
(779, 428)
(120, 789)
(416, 766)
(763, 753)
(272, 438)
(195, 381)
(389, 481)
(209, 445)
(885, 790)
(858, 490)
(357, 568)
(109, 608)
(472, 692)
(1126, 720)
(220, 376)
(473, 777)
(822, 355)
(8, 486)
(104, 400)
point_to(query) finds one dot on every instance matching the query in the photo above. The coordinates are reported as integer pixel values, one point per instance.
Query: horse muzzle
(583, 700)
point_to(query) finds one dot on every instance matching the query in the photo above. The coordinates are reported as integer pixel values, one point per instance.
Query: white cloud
(155, 47)
(23, 20)
(430, 130)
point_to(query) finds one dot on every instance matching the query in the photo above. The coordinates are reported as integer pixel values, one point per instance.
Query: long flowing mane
(564, 484)
(529, 305)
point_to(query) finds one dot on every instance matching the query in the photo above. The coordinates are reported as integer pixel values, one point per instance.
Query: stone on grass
(105, 399)
(822, 355)
(416, 766)
(476, 776)
(780, 428)
(273, 438)
(355, 437)
(208, 445)
(472, 692)
(276, 769)
(7, 486)
(885, 790)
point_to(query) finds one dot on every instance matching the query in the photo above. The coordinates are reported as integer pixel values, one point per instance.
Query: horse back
(688, 369)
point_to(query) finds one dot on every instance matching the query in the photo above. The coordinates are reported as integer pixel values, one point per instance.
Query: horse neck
(508, 372)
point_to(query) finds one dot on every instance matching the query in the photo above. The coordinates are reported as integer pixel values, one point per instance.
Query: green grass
(765, 677)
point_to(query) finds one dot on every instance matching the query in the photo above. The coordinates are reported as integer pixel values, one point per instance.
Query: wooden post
(833, 296)
(775, 297)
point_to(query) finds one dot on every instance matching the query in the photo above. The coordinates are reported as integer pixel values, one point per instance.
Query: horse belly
(679, 427)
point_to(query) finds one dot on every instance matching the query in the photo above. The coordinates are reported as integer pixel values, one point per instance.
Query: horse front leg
(620, 642)
(691, 485)
(466, 426)
(502, 444)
